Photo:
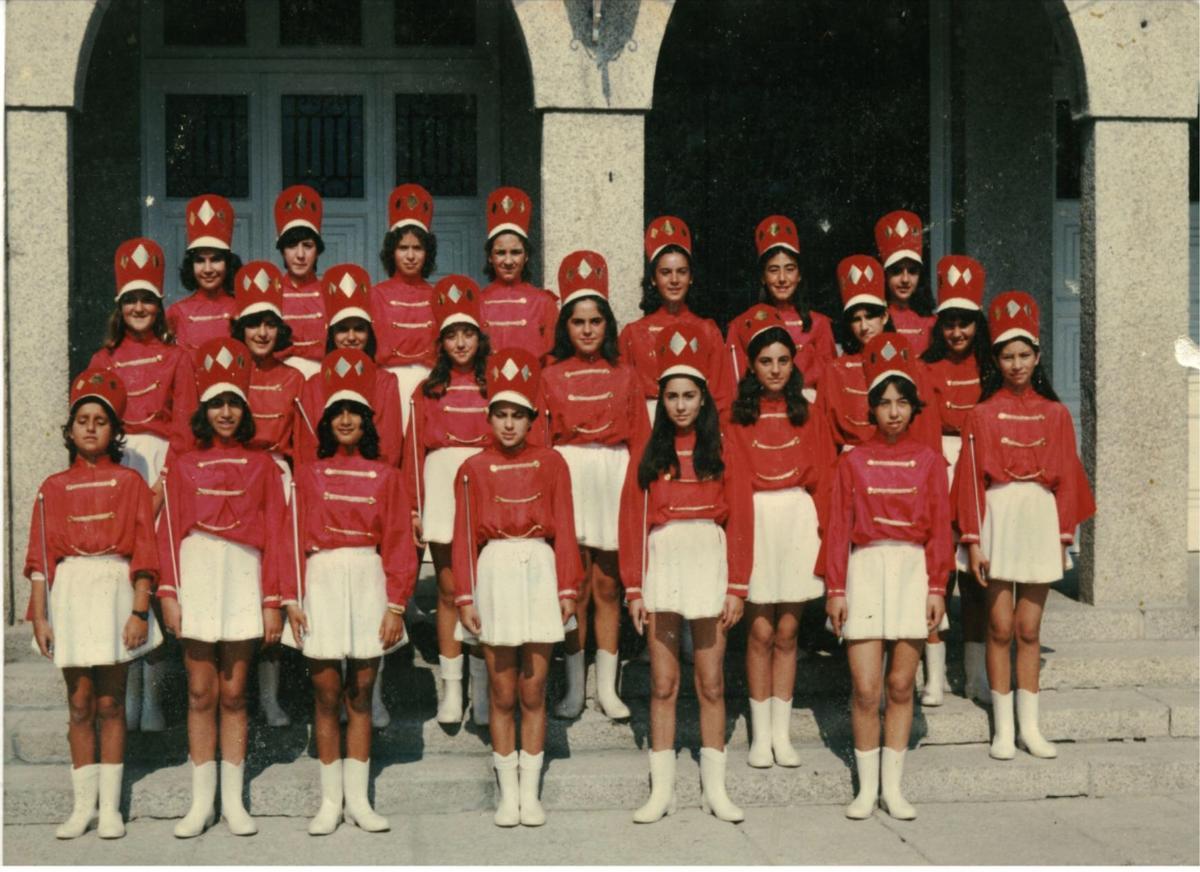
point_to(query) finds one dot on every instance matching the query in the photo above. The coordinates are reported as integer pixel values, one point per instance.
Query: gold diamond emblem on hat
(774, 228)
(454, 294)
(902, 227)
(506, 204)
(224, 357)
(412, 201)
(341, 367)
(140, 256)
(509, 370)
(347, 284)
(262, 280)
(668, 227)
(585, 268)
(888, 351)
(855, 274)
(677, 344)
(966, 274)
(1013, 308)
(953, 275)
(205, 213)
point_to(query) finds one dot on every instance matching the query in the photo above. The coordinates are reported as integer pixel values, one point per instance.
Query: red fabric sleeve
(412, 463)
(822, 336)
(33, 553)
(631, 527)
(835, 547)
(566, 548)
(184, 402)
(387, 419)
(464, 550)
(395, 548)
(1073, 496)
(939, 547)
(825, 461)
(291, 583)
(635, 408)
(549, 323)
(278, 556)
(145, 544)
(739, 526)
(540, 431)
(304, 441)
(967, 492)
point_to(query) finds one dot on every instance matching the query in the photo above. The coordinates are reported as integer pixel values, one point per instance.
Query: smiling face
(586, 327)
(91, 430)
(508, 257)
(261, 338)
(138, 311)
(902, 279)
(781, 277)
(351, 333)
(893, 414)
(958, 330)
(409, 256)
(347, 426)
(773, 367)
(672, 277)
(209, 267)
(224, 413)
(461, 344)
(301, 260)
(1016, 361)
(682, 399)
(510, 423)
(866, 322)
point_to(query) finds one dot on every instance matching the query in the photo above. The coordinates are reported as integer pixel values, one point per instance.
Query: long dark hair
(490, 271)
(907, 389)
(327, 444)
(652, 300)
(992, 380)
(187, 271)
(116, 445)
(660, 454)
(203, 430)
(114, 334)
(846, 338)
(921, 300)
(562, 338)
(746, 407)
(439, 377)
(387, 251)
(799, 299)
(368, 349)
(240, 325)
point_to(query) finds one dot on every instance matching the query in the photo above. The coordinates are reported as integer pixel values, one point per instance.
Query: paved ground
(1115, 831)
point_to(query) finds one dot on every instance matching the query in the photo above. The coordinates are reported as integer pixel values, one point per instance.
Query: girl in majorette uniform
(352, 514)
(959, 351)
(898, 239)
(160, 387)
(208, 268)
(447, 424)
(517, 570)
(274, 388)
(515, 313)
(887, 553)
(91, 542)
(1019, 493)
(678, 566)
(298, 213)
(226, 547)
(402, 306)
(594, 413)
(779, 267)
(784, 456)
(665, 288)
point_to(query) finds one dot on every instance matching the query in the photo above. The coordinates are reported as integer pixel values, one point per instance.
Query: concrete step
(619, 780)
(1068, 620)
(1162, 663)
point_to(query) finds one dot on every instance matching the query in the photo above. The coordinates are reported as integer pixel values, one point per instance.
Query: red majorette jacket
(844, 403)
(519, 316)
(456, 419)
(93, 510)
(198, 318)
(913, 327)
(954, 390)
(387, 418)
(681, 497)
(889, 492)
(1020, 437)
(347, 501)
(588, 402)
(402, 315)
(814, 349)
(520, 495)
(274, 389)
(232, 492)
(161, 386)
(640, 340)
(304, 312)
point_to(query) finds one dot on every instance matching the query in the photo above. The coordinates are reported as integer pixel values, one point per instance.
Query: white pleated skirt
(407, 377)
(687, 569)
(90, 603)
(516, 593)
(146, 453)
(441, 491)
(785, 547)
(308, 367)
(886, 588)
(1020, 534)
(345, 600)
(951, 450)
(220, 589)
(597, 475)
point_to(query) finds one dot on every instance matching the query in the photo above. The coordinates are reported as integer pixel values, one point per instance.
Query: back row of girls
(727, 498)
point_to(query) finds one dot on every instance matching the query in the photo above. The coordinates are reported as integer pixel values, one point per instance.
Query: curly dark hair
(203, 430)
(387, 251)
(845, 336)
(187, 269)
(116, 445)
(327, 444)
(368, 349)
(660, 454)
(921, 300)
(439, 377)
(799, 299)
(992, 379)
(907, 389)
(490, 271)
(563, 348)
(240, 325)
(652, 301)
(114, 333)
(294, 235)
(746, 407)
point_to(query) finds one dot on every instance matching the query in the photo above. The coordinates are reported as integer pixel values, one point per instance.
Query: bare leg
(447, 612)
(760, 642)
(327, 698)
(663, 632)
(902, 673)
(110, 708)
(235, 660)
(865, 657)
(1000, 634)
(709, 676)
(81, 708)
(200, 659)
(360, 682)
(503, 669)
(1031, 602)
(576, 640)
(535, 665)
(783, 656)
(606, 600)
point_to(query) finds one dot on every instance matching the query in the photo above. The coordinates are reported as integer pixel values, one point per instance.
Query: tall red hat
(582, 274)
(756, 319)
(888, 354)
(456, 301)
(1013, 315)
(512, 377)
(348, 374)
(667, 230)
(258, 287)
(898, 235)
(681, 353)
(960, 283)
(410, 204)
(776, 231)
(347, 289)
(209, 222)
(224, 365)
(99, 384)
(509, 210)
(298, 206)
(139, 266)
(860, 278)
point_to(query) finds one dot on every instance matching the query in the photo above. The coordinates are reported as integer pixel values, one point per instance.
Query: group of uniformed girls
(268, 457)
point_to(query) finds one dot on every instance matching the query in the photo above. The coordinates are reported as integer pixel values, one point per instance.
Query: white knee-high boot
(380, 717)
(85, 784)
(358, 809)
(891, 799)
(153, 675)
(329, 815)
(781, 728)
(1003, 747)
(508, 806)
(608, 664)
(760, 735)
(450, 709)
(530, 770)
(204, 792)
(975, 665)
(1029, 734)
(867, 763)
(480, 711)
(713, 798)
(235, 814)
(662, 788)
(935, 674)
(571, 705)
(268, 693)
(111, 826)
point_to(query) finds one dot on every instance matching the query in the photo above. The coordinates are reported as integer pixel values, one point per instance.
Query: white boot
(204, 791)
(608, 664)
(935, 674)
(760, 735)
(867, 763)
(358, 809)
(530, 769)
(975, 664)
(891, 799)
(662, 788)
(268, 693)
(380, 717)
(450, 709)
(133, 695)
(713, 799)
(1003, 747)
(329, 815)
(571, 705)
(85, 784)
(153, 675)
(111, 826)
(479, 694)
(235, 814)
(1029, 735)
(781, 728)
(508, 807)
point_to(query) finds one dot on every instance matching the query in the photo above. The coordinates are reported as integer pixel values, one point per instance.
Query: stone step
(619, 780)
(1145, 663)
